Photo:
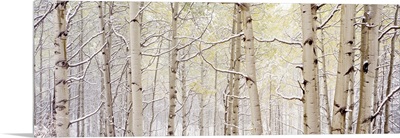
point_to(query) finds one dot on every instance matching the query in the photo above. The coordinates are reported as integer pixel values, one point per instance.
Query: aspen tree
(61, 92)
(369, 49)
(235, 115)
(251, 81)
(172, 72)
(344, 68)
(134, 35)
(310, 66)
(107, 78)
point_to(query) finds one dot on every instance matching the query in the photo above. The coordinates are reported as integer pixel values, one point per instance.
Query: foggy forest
(126, 69)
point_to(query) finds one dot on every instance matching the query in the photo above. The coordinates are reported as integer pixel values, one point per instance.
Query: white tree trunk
(369, 49)
(107, 78)
(310, 66)
(134, 29)
(235, 115)
(172, 72)
(345, 68)
(251, 71)
(61, 71)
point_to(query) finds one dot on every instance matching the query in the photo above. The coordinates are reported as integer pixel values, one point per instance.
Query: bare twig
(386, 31)
(281, 41)
(329, 17)
(387, 98)
(86, 116)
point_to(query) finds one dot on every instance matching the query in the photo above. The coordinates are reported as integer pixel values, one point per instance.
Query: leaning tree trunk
(172, 72)
(344, 68)
(251, 71)
(136, 85)
(61, 71)
(235, 115)
(310, 66)
(386, 128)
(369, 48)
(107, 78)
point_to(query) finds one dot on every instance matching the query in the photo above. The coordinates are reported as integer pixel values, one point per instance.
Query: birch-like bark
(347, 36)
(61, 101)
(251, 81)
(107, 78)
(229, 111)
(310, 66)
(369, 48)
(235, 112)
(172, 72)
(81, 107)
(325, 85)
(134, 35)
(386, 128)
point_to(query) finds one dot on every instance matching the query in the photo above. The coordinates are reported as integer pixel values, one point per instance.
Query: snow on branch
(281, 41)
(44, 16)
(224, 71)
(90, 58)
(212, 44)
(382, 104)
(329, 17)
(386, 31)
(86, 116)
(291, 98)
(84, 44)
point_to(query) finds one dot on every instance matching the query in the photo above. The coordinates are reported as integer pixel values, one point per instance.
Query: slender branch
(336, 9)
(44, 16)
(224, 71)
(90, 58)
(386, 31)
(86, 116)
(387, 98)
(291, 98)
(84, 44)
(281, 41)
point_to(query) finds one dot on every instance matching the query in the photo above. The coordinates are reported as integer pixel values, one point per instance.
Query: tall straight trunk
(369, 48)
(251, 81)
(325, 85)
(201, 98)
(345, 67)
(136, 85)
(229, 111)
(129, 120)
(172, 72)
(61, 103)
(216, 94)
(81, 109)
(107, 78)
(310, 66)
(386, 128)
(183, 76)
(351, 102)
(235, 115)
